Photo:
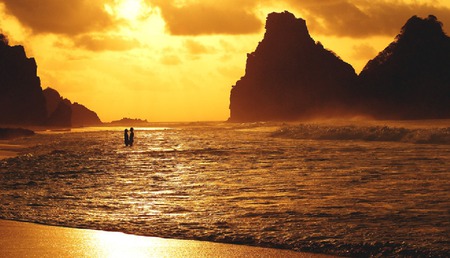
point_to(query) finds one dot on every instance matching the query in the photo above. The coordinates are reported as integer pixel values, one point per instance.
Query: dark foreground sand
(22, 239)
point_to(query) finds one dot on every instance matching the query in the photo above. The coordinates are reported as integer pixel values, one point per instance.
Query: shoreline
(26, 239)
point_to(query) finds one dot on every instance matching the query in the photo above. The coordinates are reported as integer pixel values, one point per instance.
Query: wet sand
(23, 239)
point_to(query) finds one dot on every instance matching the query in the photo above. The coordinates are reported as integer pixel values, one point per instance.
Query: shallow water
(253, 184)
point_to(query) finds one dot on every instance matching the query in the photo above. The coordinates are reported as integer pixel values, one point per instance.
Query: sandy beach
(23, 239)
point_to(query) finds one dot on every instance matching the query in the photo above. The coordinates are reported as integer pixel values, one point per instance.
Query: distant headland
(129, 122)
(289, 76)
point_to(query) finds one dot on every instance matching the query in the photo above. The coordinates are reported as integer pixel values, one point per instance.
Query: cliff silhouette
(22, 100)
(62, 112)
(82, 116)
(289, 76)
(410, 79)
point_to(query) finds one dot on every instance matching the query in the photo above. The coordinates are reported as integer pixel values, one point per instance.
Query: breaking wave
(366, 133)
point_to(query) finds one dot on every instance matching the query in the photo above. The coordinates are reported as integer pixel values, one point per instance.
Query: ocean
(337, 187)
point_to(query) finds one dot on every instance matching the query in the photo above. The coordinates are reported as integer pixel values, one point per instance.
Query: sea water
(354, 189)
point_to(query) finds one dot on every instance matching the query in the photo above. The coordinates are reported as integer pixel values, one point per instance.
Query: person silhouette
(125, 136)
(131, 136)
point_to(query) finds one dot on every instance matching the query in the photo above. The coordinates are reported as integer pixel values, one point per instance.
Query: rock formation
(21, 98)
(52, 100)
(63, 113)
(289, 76)
(82, 116)
(130, 122)
(410, 79)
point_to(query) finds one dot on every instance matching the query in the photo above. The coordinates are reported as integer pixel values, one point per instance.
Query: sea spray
(366, 133)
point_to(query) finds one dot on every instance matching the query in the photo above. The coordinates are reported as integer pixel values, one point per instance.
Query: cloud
(72, 17)
(170, 59)
(196, 48)
(363, 52)
(208, 17)
(105, 43)
(363, 18)
(344, 18)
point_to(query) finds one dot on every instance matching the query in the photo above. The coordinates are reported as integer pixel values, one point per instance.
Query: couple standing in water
(129, 139)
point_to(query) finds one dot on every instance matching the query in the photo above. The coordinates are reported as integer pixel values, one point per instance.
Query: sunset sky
(176, 60)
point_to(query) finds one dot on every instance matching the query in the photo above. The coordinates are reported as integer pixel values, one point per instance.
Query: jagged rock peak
(285, 22)
(284, 29)
(289, 76)
(409, 79)
(419, 36)
(424, 27)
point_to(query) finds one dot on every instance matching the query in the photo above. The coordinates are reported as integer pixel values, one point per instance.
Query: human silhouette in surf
(131, 136)
(125, 136)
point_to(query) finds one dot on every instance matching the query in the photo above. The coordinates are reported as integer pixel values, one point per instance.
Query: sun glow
(129, 9)
(173, 60)
(115, 244)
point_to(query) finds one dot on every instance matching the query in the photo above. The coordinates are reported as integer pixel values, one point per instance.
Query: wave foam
(366, 133)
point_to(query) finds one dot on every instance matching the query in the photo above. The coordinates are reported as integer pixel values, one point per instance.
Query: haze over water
(323, 187)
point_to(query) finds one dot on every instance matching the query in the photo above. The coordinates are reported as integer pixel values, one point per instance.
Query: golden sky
(176, 60)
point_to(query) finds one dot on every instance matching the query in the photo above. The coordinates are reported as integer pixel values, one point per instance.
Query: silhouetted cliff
(52, 99)
(289, 76)
(82, 116)
(21, 99)
(63, 113)
(410, 79)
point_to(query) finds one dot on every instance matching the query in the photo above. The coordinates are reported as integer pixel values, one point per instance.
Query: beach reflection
(115, 244)
(19, 239)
